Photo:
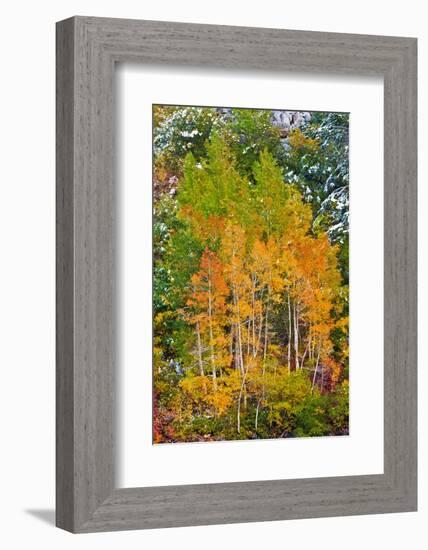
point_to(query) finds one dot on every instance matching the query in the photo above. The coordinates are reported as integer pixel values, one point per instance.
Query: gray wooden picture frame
(87, 50)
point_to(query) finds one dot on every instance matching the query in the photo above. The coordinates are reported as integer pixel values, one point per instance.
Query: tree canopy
(250, 294)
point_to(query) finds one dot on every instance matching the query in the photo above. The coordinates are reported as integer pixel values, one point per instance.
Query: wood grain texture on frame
(87, 50)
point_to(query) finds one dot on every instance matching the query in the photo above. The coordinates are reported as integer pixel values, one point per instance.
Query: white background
(27, 286)
(144, 464)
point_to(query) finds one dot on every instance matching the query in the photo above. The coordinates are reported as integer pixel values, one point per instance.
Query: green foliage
(185, 130)
(311, 418)
(248, 132)
(287, 393)
(210, 187)
(317, 161)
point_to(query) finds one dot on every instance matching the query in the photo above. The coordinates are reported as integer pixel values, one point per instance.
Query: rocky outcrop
(289, 120)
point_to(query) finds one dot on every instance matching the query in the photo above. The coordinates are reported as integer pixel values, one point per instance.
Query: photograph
(210, 263)
(250, 273)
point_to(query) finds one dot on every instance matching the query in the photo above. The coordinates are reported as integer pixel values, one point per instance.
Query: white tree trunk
(200, 361)
(214, 374)
(316, 369)
(296, 334)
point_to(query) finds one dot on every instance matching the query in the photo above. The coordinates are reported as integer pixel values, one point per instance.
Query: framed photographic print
(236, 274)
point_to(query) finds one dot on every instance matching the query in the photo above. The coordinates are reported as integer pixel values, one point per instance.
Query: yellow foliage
(298, 140)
